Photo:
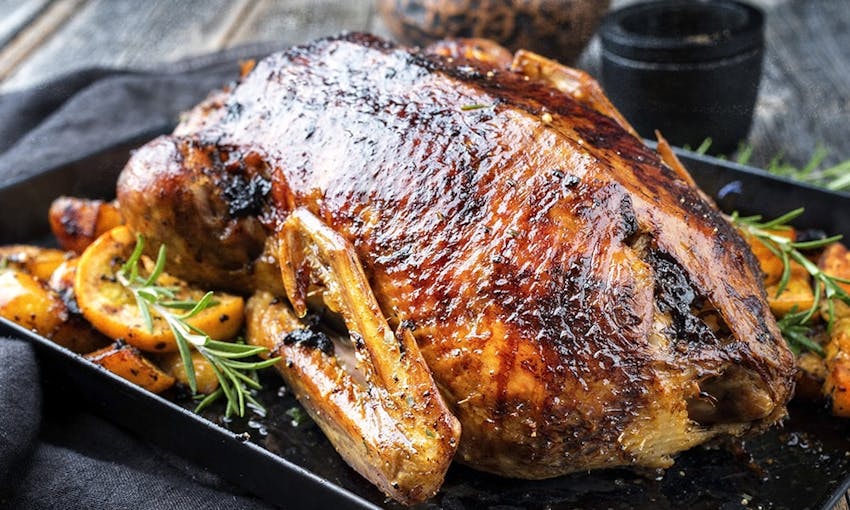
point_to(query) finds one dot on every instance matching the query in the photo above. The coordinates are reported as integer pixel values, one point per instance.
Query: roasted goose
(522, 280)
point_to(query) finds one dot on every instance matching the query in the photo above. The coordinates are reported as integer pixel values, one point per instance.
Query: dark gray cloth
(20, 406)
(84, 112)
(57, 456)
(71, 459)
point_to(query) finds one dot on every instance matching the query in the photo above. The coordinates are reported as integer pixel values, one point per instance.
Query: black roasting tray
(804, 464)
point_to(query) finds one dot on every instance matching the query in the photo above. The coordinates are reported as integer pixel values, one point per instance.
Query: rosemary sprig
(793, 323)
(236, 377)
(796, 333)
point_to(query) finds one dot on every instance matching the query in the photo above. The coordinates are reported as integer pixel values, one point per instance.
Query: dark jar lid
(683, 31)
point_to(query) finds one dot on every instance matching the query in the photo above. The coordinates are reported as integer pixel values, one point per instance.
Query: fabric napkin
(58, 456)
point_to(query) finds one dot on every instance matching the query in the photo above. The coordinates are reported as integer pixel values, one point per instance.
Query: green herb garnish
(468, 107)
(236, 377)
(796, 333)
(297, 415)
(794, 323)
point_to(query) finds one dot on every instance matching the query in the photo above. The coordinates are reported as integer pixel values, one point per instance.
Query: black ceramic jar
(690, 69)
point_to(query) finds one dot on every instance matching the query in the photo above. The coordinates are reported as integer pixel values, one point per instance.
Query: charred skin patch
(311, 339)
(676, 295)
(245, 196)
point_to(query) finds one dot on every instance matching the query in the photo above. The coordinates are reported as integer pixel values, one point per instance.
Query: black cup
(690, 69)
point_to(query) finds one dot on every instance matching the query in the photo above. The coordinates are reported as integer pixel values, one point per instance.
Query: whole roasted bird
(526, 286)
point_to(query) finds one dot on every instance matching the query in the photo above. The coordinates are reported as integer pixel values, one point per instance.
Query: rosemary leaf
(247, 351)
(782, 221)
(843, 180)
(186, 357)
(744, 153)
(179, 304)
(132, 264)
(247, 365)
(816, 243)
(704, 146)
(158, 267)
(208, 399)
(199, 307)
(146, 313)
(226, 346)
(836, 177)
(247, 380)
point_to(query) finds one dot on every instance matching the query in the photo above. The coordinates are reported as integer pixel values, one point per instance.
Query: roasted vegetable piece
(205, 376)
(128, 362)
(35, 260)
(811, 375)
(77, 334)
(62, 278)
(112, 310)
(28, 301)
(771, 265)
(835, 261)
(837, 384)
(77, 222)
(797, 295)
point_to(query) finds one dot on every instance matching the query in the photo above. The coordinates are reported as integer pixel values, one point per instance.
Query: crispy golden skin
(578, 303)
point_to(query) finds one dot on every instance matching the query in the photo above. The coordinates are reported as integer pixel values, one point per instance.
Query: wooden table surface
(804, 99)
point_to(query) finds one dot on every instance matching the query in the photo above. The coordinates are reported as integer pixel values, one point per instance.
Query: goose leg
(385, 417)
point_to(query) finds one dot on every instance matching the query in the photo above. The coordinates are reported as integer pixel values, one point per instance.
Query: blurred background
(803, 107)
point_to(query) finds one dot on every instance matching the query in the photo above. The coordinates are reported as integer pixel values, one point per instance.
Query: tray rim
(687, 155)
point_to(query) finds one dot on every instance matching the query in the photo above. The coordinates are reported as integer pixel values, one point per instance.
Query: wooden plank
(16, 15)
(804, 97)
(299, 21)
(129, 33)
(31, 37)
